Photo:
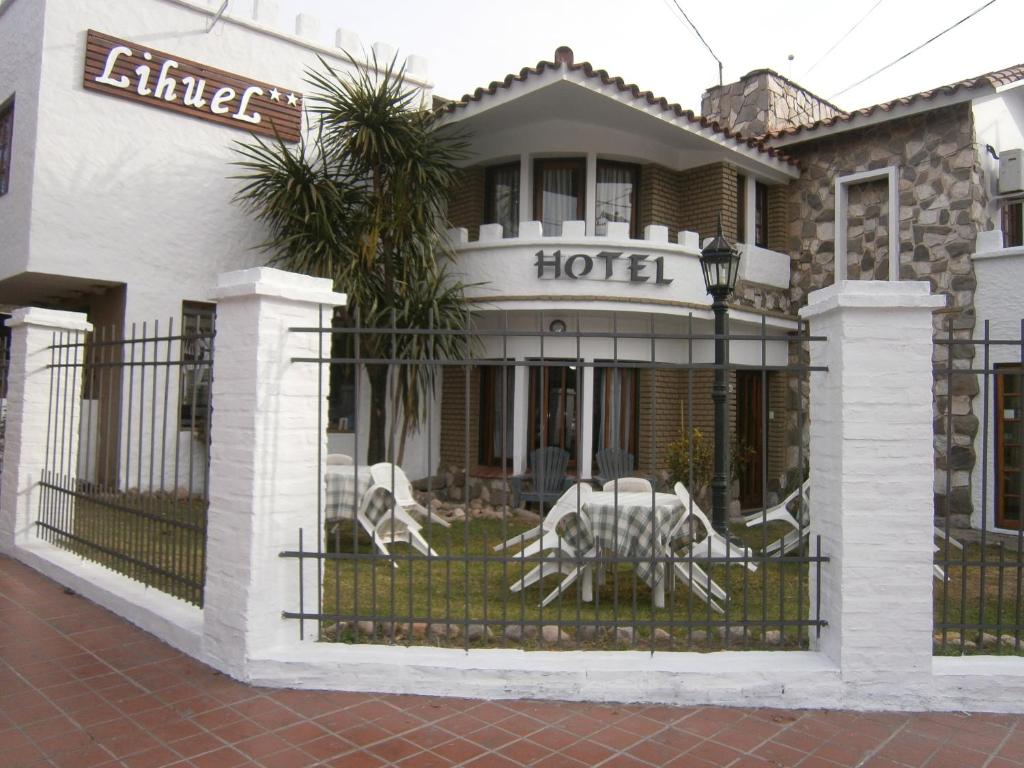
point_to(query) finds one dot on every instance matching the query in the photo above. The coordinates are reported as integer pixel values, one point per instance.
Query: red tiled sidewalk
(81, 688)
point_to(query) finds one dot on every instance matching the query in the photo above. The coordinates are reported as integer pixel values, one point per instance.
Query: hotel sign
(143, 74)
(605, 265)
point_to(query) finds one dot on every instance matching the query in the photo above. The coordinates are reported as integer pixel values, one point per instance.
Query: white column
(33, 332)
(525, 190)
(520, 416)
(585, 375)
(269, 414)
(590, 200)
(871, 461)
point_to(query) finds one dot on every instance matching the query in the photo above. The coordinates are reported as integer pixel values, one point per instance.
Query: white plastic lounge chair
(628, 485)
(392, 477)
(800, 524)
(396, 526)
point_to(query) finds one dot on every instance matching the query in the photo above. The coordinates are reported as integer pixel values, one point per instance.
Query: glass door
(552, 408)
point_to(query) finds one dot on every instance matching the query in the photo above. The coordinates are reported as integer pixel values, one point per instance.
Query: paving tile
(459, 750)
(909, 748)
(587, 751)
(394, 749)
(951, 756)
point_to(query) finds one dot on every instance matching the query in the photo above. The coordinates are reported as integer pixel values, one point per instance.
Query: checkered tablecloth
(343, 493)
(625, 524)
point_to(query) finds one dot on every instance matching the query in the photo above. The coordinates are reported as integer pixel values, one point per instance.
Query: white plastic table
(634, 525)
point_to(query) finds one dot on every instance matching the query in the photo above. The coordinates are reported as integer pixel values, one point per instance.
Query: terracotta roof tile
(992, 79)
(565, 57)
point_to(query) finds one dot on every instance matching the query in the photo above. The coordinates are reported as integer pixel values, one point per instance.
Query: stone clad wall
(763, 101)
(942, 206)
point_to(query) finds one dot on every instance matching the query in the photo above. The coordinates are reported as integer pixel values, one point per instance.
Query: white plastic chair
(578, 490)
(800, 524)
(396, 526)
(391, 477)
(939, 533)
(628, 485)
(339, 460)
(560, 555)
(713, 545)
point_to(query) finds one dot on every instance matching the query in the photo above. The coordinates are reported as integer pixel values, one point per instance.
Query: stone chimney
(763, 101)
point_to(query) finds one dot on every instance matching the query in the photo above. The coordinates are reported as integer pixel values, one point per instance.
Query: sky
(647, 42)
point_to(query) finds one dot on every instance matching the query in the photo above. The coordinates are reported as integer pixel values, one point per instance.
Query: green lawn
(464, 591)
(156, 539)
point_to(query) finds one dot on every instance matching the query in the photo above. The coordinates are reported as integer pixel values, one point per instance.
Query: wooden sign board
(143, 74)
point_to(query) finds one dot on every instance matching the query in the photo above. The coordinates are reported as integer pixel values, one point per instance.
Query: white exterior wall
(21, 35)
(110, 191)
(999, 122)
(129, 193)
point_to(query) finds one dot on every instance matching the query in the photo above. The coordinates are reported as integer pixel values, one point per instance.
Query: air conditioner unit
(1011, 171)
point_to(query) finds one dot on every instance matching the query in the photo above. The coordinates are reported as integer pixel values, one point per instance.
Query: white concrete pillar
(29, 387)
(268, 417)
(871, 461)
(590, 194)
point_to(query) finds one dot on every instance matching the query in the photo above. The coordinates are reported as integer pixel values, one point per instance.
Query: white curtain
(559, 202)
(614, 195)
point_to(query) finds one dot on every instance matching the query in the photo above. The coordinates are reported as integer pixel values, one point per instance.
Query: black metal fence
(127, 447)
(501, 532)
(979, 563)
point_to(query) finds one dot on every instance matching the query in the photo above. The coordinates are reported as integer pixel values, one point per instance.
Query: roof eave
(684, 120)
(881, 115)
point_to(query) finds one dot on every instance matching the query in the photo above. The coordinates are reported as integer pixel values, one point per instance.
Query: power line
(915, 50)
(841, 39)
(701, 38)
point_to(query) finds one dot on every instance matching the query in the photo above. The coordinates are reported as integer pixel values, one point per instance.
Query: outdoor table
(623, 523)
(344, 488)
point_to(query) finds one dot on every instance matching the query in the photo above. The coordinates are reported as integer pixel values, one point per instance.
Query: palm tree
(362, 201)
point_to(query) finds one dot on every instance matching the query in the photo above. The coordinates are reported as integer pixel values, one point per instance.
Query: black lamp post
(720, 263)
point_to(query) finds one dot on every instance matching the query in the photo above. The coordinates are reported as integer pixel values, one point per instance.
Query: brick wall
(659, 198)
(455, 414)
(704, 193)
(466, 201)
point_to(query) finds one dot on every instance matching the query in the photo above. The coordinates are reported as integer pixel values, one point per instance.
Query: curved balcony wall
(610, 272)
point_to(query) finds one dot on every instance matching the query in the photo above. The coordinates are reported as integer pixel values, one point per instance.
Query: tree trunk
(376, 449)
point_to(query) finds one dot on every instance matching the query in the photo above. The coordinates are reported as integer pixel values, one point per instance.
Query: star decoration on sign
(275, 95)
(292, 100)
